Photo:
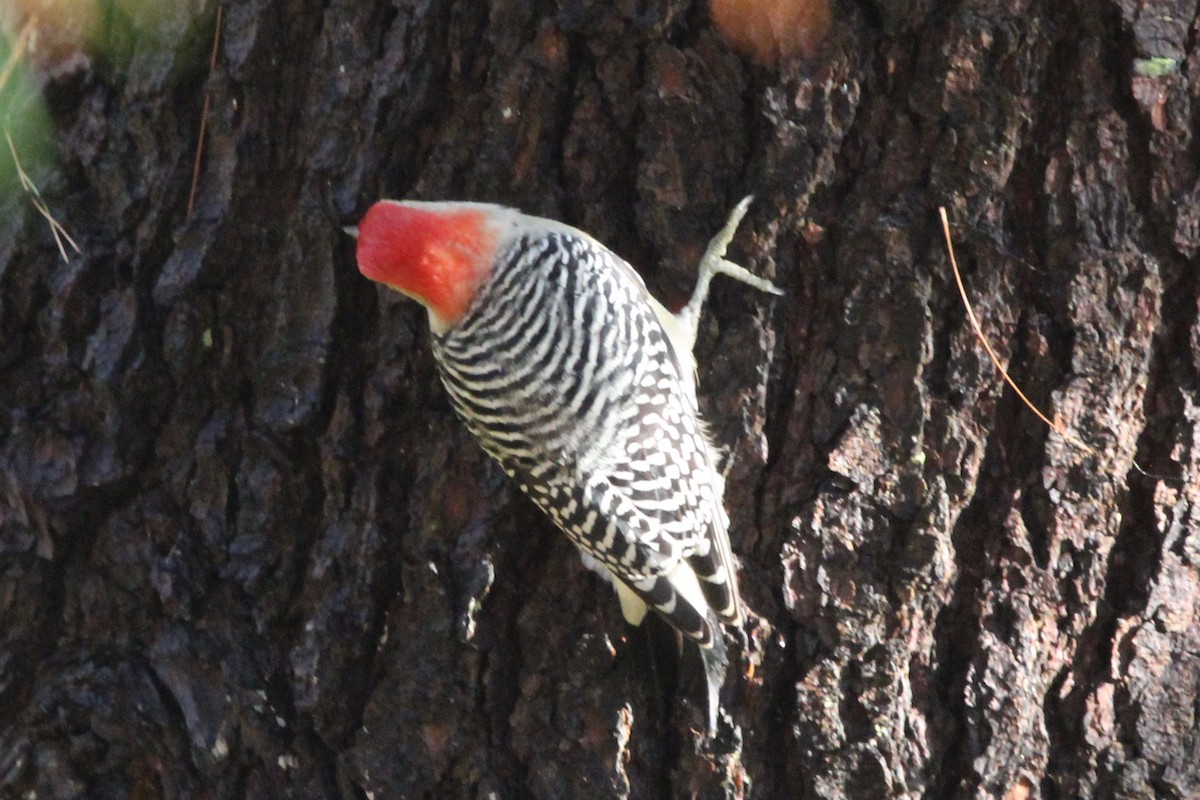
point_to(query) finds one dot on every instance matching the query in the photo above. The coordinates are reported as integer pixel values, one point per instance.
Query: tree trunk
(246, 550)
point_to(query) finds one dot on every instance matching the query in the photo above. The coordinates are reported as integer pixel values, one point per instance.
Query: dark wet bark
(246, 550)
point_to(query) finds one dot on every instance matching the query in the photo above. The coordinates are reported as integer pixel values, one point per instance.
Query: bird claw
(714, 262)
(719, 243)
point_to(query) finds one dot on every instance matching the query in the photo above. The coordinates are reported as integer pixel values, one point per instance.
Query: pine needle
(18, 49)
(35, 197)
(1057, 424)
(212, 64)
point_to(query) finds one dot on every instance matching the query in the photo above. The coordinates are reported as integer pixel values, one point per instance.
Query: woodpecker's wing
(676, 486)
(648, 510)
(598, 514)
(713, 565)
(564, 373)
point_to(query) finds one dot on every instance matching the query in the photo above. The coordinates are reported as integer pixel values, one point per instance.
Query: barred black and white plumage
(582, 386)
(566, 376)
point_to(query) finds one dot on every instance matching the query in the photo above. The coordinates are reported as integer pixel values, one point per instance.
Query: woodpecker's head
(436, 253)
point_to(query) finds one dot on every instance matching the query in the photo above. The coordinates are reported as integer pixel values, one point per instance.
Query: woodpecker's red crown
(436, 253)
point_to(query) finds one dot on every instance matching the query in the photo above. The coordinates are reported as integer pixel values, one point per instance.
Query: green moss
(1155, 67)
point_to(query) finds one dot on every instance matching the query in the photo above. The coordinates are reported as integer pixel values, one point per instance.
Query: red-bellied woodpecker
(574, 378)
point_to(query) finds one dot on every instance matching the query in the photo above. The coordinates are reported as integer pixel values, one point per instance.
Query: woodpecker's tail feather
(716, 663)
(718, 580)
(677, 597)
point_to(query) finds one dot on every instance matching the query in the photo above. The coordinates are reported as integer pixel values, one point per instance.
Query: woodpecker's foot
(714, 263)
(720, 243)
(714, 257)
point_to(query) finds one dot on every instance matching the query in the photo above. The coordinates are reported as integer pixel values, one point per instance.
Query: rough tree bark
(246, 550)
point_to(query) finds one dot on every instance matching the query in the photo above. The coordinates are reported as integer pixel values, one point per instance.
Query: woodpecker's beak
(351, 231)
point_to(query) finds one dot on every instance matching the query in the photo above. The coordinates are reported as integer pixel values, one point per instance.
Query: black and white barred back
(564, 372)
